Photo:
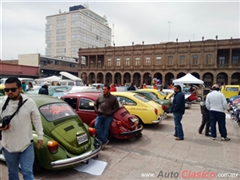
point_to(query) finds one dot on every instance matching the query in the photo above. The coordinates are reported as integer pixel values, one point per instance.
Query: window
(182, 58)
(61, 38)
(221, 60)
(48, 33)
(76, 36)
(48, 39)
(61, 18)
(109, 62)
(118, 63)
(125, 101)
(137, 61)
(48, 51)
(170, 58)
(235, 60)
(127, 62)
(61, 50)
(71, 102)
(158, 60)
(49, 45)
(99, 63)
(61, 25)
(208, 59)
(195, 59)
(55, 111)
(61, 31)
(60, 44)
(48, 27)
(148, 61)
(86, 104)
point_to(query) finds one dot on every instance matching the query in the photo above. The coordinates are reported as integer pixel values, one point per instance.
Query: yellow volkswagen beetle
(147, 111)
(160, 95)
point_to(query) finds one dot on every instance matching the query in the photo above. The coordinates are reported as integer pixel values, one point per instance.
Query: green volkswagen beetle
(67, 140)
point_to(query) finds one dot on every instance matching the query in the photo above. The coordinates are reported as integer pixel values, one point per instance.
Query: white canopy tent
(49, 79)
(188, 79)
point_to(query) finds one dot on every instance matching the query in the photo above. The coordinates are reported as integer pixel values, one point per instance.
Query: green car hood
(74, 137)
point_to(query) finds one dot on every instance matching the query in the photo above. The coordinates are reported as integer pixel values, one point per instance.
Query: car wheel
(36, 165)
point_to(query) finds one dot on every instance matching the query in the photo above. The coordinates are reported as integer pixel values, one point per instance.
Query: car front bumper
(77, 159)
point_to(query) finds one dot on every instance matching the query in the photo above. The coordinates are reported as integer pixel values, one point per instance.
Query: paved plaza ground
(157, 154)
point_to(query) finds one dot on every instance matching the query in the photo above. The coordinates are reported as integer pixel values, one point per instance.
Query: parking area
(157, 155)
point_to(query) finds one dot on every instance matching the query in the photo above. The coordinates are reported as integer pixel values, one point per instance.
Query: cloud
(23, 23)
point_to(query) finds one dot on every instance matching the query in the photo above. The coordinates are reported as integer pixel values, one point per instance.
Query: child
(205, 118)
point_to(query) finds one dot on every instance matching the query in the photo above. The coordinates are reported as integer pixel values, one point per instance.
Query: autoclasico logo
(186, 174)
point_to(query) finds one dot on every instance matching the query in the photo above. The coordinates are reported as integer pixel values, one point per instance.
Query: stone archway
(235, 79)
(100, 78)
(208, 79)
(91, 78)
(147, 78)
(137, 79)
(196, 75)
(108, 78)
(168, 79)
(158, 76)
(181, 74)
(117, 78)
(126, 78)
(222, 78)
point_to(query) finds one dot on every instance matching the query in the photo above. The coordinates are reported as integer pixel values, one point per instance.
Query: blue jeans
(178, 125)
(25, 159)
(102, 125)
(219, 117)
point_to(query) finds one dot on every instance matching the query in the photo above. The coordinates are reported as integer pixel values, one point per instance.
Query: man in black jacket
(44, 89)
(178, 109)
(105, 106)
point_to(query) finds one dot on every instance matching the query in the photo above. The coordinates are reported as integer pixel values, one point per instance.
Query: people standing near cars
(205, 118)
(178, 109)
(30, 86)
(113, 88)
(24, 86)
(131, 87)
(216, 104)
(105, 106)
(44, 89)
(98, 88)
(17, 138)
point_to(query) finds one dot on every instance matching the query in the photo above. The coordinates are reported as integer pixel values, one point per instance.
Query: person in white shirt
(17, 138)
(98, 89)
(216, 104)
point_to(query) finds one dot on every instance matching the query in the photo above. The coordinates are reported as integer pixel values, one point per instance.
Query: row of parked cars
(68, 121)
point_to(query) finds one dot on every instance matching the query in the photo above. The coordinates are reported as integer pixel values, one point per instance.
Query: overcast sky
(23, 23)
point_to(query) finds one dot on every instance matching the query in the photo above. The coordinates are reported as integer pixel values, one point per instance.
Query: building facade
(213, 61)
(80, 27)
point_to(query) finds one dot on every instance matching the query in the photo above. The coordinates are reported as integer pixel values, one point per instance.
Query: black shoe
(200, 132)
(207, 134)
(179, 139)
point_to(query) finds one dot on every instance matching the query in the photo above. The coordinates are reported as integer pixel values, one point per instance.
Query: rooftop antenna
(113, 33)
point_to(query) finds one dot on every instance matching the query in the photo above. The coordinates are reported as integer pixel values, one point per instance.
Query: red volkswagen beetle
(124, 125)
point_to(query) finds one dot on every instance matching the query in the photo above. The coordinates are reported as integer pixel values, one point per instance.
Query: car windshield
(61, 89)
(140, 98)
(55, 111)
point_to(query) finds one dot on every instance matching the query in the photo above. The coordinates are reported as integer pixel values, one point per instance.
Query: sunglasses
(10, 89)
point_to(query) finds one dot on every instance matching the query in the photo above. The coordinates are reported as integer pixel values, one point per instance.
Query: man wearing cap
(216, 104)
(44, 89)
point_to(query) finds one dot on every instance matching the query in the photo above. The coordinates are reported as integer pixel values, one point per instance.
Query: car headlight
(135, 120)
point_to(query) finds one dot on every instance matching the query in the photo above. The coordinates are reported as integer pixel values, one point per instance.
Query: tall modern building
(79, 28)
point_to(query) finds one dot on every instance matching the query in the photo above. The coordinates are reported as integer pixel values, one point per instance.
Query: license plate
(82, 138)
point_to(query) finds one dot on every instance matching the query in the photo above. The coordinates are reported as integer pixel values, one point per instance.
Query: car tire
(36, 165)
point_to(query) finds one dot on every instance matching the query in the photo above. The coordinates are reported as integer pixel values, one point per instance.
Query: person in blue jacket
(178, 109)
(44, 89)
